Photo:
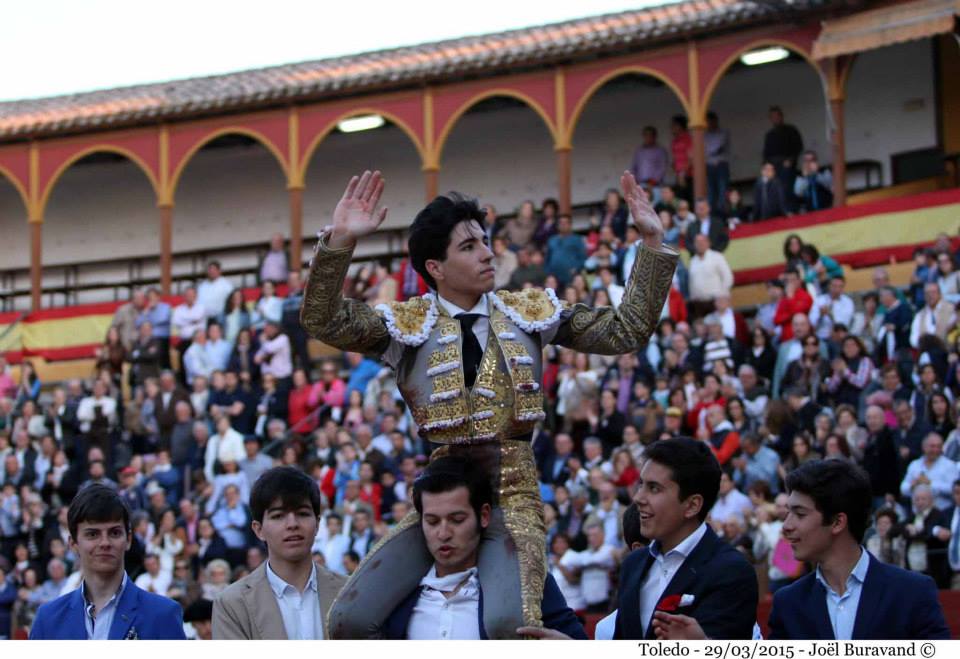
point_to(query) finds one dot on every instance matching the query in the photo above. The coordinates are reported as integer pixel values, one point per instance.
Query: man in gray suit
(288, 596)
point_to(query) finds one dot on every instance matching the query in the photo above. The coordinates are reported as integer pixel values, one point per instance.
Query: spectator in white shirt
(730, 503)
(153, 580)
(932, 469)
(337, 543)
(595, 563)
(832, 308)
(710, 274)
(189, 317)
(565, 568)
(214, 291)
(274, 353)
(87, 410)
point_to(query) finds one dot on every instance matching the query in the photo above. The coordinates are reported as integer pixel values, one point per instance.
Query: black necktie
(472, 352)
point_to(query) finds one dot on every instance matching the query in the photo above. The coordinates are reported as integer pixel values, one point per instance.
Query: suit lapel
(629, 617)
(686, 576)
(871, 593)
(327, 590)
(817, 609)
(76, 627)
(262, 607)
(125, 615)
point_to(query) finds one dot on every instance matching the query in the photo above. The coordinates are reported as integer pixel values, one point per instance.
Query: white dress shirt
(300, 611)
(661, 573)
(842, 609)
(438, 617)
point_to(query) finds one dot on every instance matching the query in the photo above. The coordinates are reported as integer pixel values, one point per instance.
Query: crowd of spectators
(191, 402)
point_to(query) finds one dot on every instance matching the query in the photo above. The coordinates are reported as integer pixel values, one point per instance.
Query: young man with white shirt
(287, 597)
(453, 499)
(851, 595)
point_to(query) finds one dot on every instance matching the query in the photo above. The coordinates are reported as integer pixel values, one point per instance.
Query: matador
(468, 362)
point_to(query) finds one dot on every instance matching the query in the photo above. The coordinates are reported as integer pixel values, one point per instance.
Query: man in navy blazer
(454, 500)
(687, 570)
(851, 594)
(107, 606)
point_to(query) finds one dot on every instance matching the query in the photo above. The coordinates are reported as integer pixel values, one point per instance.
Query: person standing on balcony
(681, 147)
(649, 166)
(274, 265)
(716, 142)
(768, 197)
(814, 187)
(782, 146)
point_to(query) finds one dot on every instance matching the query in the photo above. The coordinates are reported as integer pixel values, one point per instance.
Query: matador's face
(468, 266)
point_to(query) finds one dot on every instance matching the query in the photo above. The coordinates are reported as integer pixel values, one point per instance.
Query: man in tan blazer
(288, 596)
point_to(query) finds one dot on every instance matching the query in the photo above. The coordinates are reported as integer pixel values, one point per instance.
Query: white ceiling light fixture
(765, 56)
(361, 122)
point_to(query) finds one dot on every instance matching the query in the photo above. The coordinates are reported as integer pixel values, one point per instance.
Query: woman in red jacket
(299, 405)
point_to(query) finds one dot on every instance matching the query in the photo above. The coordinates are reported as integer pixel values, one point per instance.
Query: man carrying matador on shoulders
(469, 363)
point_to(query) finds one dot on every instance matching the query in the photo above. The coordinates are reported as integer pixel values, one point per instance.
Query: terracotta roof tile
(433, 62)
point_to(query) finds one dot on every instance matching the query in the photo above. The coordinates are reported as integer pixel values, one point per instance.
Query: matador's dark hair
(430, 232)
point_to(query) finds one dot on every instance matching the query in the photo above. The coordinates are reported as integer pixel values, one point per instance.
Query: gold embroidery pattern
(609, 331)
(446, 422)
(326, 316)
(410, 316)
(490, 415)
(523, 517)
(531, 304)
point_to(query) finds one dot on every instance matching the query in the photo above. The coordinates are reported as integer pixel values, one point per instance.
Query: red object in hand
(669, 603)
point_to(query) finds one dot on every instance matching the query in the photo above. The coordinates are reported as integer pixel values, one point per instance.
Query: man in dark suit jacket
(687, 569)
(715, 228)
(850, 595)
(927, 533)
(100, 534)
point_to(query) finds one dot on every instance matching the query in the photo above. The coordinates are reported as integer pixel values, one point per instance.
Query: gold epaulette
(532, 309)
(410, 322)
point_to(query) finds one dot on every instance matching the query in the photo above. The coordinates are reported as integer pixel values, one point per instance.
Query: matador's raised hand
(356, 215)
(646, 219)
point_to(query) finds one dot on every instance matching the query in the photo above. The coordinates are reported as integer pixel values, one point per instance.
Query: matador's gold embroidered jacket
(425, 343)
